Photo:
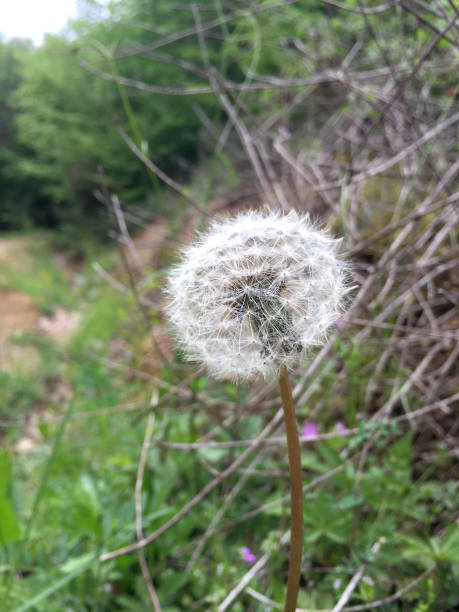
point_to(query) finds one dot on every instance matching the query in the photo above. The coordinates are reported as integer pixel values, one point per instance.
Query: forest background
(118, 139)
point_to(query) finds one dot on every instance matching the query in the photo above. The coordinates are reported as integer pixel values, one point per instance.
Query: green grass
(72, 497)
(19, 393)
(37, 276)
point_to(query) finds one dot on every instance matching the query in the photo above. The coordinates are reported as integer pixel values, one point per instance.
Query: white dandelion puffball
(255, 292)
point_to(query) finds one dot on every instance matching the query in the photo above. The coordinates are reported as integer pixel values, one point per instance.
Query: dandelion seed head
(256, 292)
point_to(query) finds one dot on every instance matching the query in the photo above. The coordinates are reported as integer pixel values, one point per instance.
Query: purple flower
(341, 427)
(339, 323)
(248, 555)
(310, 431)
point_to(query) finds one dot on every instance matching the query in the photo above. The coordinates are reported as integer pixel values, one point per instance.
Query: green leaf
(212, 454)
(47, 470)
(399, 454)
(330, 455)
(277, 510)
(311, 461)
(4, 472)
(172, 582)
(77, 564)
(336, 536)
(89, 490)
(351, 501)
(199, 384)
(55, 586)
(9, 528)
(312, 536)
(449, 548)
(415, 547)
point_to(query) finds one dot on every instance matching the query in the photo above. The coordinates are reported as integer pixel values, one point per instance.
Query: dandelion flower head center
(258, 298)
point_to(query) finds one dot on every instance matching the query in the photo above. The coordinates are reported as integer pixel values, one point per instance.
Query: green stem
(46, 473)
(296, 492)
(132, 120)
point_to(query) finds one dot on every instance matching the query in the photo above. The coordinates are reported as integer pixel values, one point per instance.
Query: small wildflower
(337, 583)
(310, 431)
(248, 555)
(341, 427)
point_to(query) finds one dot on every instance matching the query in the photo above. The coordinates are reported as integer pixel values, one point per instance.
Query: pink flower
(248, 555)
(341, 427)
(310, 431)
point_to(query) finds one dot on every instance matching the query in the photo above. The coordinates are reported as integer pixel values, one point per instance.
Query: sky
(33, 18)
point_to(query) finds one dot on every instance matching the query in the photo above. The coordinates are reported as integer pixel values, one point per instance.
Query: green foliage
(9, 527)
(19, 202)
(63, 118)
(87, 507)
(47, 286)
(18, 393)
(58, 103)
(72, 498)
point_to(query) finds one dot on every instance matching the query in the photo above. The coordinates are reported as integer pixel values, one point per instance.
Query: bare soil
(19, 314)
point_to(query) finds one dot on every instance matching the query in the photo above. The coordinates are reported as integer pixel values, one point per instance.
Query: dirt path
(18, 312)
(18, 315)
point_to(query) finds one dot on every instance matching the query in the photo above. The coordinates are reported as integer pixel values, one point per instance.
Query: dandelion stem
(296, 494)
